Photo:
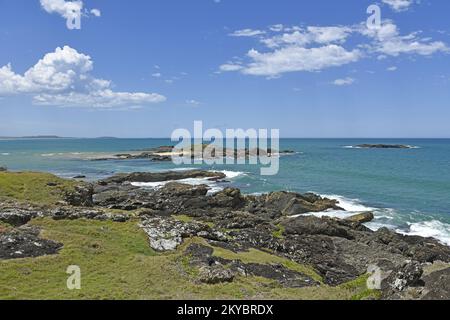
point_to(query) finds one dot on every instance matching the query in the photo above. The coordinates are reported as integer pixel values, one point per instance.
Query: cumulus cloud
(314, 48)
(302, 37)
(344, 82)
(295, 58)
(63, 78)
(296, 49)
(399, 5)
(388, 41)
(61, 7)
(66, 9)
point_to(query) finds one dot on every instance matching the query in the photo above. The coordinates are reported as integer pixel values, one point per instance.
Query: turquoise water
(409, 189)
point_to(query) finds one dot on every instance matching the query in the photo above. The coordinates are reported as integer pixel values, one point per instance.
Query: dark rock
(3, 169)
(166, 234)
(228, 198)
(90, 214)
(339, 250)
(315, 226)
(437, 285)
(79, 177)
(17, 217)
(202, 257)
(384, 146)
(401, 278)
(24, 243)
(81, 196)
(361, 217)
(215, 274)
(163, 176)
(293, 203)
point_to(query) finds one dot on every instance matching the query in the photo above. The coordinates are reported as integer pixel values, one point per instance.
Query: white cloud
(314, 48)
(393, 68)
(96, 12)
(66, 8)
(399, 5)
(289, 51)
(247, 33)
(276, 27)
(296, 58)
(193, 102)
(344, 82)
(230, 67)
(388, 41)
(302, 37)
(61, 7)
(62, 78)
(157, 75)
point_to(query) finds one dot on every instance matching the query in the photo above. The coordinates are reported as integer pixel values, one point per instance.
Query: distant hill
(34, 137)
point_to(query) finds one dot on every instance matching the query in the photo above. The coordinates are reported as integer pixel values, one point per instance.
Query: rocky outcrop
(17, 217)
(361, 217)
(165, 153)
(213, 269)
(81, 196)
(166, 234)
(436, 285)
(25, 242)
(3, 169)
(384, 146)
(290, 204)
(339, 250)
(215, 274)
(17, 214)
(162, 176)
(402, 277)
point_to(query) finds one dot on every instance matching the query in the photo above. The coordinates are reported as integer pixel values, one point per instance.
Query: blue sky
(144, 68)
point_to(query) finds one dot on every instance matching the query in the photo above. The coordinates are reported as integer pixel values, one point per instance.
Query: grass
(183, 218)
(364, 292)
(34, 187)
(279, 233)
(261, 257)
(117, 262)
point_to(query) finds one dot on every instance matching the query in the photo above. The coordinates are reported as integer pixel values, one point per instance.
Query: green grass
(117, 263)
(279, 233)
(261, 257)
(33, 187)
(183, 218)
(360, 284)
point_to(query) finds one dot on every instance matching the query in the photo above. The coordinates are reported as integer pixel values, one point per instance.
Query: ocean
(407, 189)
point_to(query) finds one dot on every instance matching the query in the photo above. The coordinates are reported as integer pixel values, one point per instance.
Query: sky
(145, 68)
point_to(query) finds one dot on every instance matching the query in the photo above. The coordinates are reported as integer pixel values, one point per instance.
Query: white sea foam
(5, 154)
(384, 218)
(232, 174)
(213, 186)
(351, 205)
(429, 229)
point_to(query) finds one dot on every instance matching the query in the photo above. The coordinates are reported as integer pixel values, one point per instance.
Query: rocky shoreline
(165, 153)
(337, 250)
